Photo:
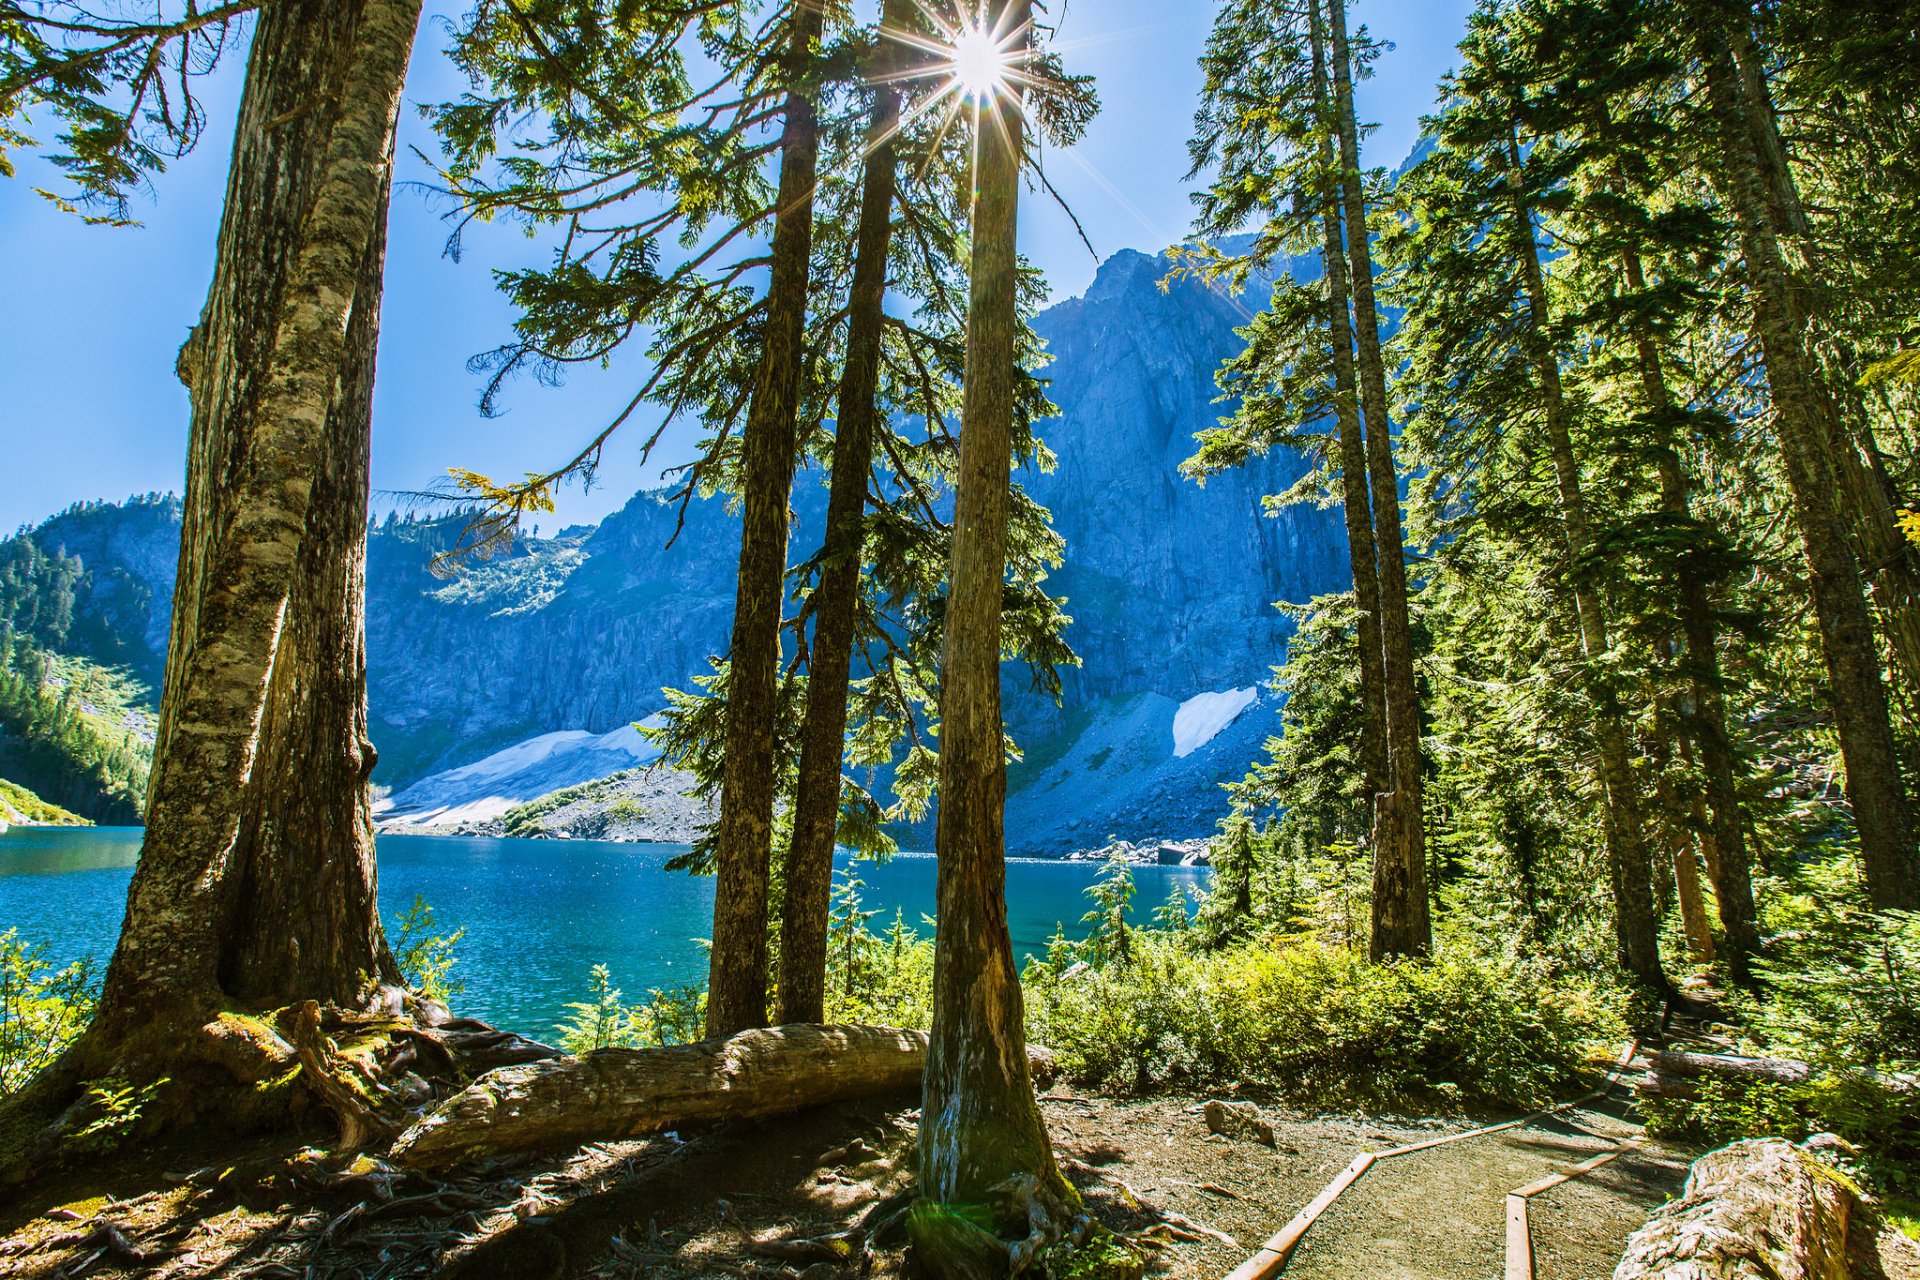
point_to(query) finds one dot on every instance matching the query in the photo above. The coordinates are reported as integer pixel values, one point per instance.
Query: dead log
(1731, 1066)
(622, 1093)
(1755, 1210)
(1676, 1075)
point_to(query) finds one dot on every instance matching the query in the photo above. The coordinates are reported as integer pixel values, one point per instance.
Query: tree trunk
(1706, 720)
(1856, 691)
(282, 380)
(1402, 919)
(1361, 552)
(1693, 903)
(835, 603)
(980, 1124)
(620, 1093)
(1630, 865)
(1886, 558)
(743, 840)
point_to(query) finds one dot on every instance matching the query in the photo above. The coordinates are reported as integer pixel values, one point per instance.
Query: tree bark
(620, 1093)
(743, 839)
(282, 386)
(1758, 1208)
(1856, 691)
(1706, 718)
(980, 1124)
(1362, 555)
(1886, 558)
(836, 597)
(1402, 917)
(1630, 865)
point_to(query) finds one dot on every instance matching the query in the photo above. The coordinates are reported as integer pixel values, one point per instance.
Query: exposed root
(340, 1087)
(246, 1072)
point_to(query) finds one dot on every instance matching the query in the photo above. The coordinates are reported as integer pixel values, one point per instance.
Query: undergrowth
(1839, 989)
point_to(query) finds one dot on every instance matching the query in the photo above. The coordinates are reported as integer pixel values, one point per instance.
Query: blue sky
(94, 315)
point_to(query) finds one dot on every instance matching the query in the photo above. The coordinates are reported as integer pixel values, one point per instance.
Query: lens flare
(979, 63)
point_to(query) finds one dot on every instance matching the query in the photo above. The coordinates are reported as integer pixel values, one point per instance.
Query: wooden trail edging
(1270, 1259)
(1520, 1229)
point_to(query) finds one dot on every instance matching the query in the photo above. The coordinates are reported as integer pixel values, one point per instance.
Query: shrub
(426, 958)
(1316, 1022)
(673, 1016)
(1840, 990)
(42, 1008)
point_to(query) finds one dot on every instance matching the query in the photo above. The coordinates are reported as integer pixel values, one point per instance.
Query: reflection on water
(538, 914)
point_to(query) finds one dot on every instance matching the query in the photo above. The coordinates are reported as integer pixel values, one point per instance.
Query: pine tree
(1277, 118)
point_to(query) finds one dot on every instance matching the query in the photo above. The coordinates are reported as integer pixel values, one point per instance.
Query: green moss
(1103, 1257)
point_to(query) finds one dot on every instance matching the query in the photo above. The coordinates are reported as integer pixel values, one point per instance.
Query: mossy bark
(980, 1124)
(743, 838)
(836, 597)
(1402, 914)
(255, 879)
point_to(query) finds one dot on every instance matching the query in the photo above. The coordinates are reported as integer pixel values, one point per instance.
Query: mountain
(565, 640)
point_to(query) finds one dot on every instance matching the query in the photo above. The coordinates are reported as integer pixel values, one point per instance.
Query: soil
(766, 1200)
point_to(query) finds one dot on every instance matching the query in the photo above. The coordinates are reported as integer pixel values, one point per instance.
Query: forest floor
(766, 1201)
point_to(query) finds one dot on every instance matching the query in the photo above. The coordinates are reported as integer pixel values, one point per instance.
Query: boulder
(1238, 1120)
(1765, 1209)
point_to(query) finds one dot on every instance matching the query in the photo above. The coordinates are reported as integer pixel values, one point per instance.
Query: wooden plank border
(1270, 1259)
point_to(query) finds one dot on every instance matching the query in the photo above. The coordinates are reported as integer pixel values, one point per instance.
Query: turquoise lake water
(538, 914)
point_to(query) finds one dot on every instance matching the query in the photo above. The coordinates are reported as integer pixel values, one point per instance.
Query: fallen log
(1675, 1074)
(622, 1093)
(1731, 1066)
(1765, 1209)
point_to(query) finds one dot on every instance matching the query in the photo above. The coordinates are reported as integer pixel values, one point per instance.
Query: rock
(1240, 1120)
(1765, 1209)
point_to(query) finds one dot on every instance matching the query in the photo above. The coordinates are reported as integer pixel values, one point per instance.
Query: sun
(979, 64)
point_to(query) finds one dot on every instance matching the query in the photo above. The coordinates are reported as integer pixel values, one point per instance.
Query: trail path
(1441, 1214)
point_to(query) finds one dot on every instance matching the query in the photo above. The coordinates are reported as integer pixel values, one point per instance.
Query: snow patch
(527, 770)
(1201, 717)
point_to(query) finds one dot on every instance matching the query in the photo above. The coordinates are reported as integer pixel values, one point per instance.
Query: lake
(538, 914)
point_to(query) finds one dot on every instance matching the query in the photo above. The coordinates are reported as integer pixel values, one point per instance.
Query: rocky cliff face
(1171, 587)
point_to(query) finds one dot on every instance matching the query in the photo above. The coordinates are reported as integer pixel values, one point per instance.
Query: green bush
(1840, 990)
(41, 1008)
(676, 1015)
(426, 958)
(885, 979)
(1316, 1022)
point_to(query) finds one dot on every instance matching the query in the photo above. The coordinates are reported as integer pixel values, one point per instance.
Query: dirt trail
(718, 1204)
(1440, 1214)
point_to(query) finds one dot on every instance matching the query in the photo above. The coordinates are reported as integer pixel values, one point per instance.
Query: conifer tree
(834, 602)
(255, 883)
(982, 1125)
(696, 162)
(1277, 117)
(1402, 924)
(1296, 347)
(1808, 433)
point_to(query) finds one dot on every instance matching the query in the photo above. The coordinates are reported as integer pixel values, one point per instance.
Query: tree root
(374, 1070)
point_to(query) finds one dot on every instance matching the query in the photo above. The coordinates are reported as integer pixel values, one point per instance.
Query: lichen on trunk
(250, 891)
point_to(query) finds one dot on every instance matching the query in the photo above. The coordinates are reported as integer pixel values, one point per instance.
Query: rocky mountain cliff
(1171, 588)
